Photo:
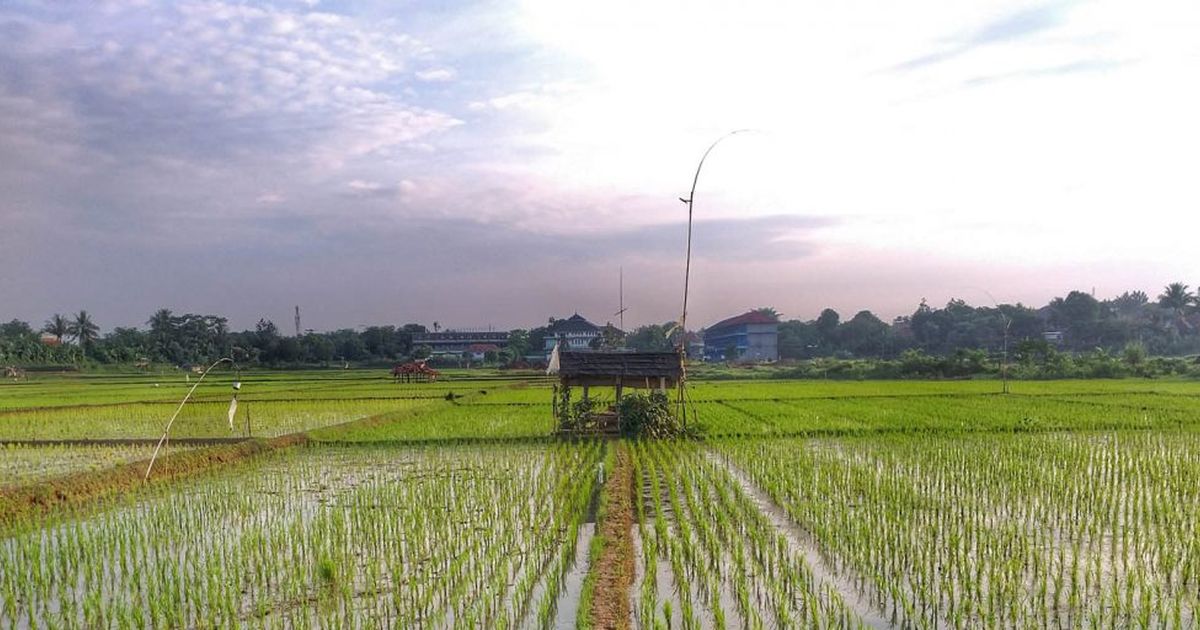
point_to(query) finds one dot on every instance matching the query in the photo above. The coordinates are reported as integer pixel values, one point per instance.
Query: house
(1053, 336)
(459, 342)
(478, 351)
(749, 337)
(575, 333)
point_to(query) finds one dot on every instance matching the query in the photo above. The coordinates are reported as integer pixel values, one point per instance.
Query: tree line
(1076, 323)
(1130, 325)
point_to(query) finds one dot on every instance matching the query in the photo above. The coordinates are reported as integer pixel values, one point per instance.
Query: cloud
(436, 74)
(1085, 66)
(1010, 27)
(505, 245)
(388, 161)
(370, 189)
(220, 79)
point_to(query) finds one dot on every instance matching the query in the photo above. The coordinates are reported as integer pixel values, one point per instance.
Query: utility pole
(297, 320)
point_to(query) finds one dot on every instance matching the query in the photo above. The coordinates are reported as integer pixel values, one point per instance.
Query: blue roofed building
(749, 337)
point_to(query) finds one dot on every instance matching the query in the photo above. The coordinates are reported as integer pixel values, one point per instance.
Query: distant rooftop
(573, 324)
(749, 317)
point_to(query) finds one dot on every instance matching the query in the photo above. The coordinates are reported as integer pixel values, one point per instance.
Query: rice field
(1071, 504)
(329, 537)
(1094, 530)
(22, 464)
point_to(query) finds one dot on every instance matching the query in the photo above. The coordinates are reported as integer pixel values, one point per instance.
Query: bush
(648, 415)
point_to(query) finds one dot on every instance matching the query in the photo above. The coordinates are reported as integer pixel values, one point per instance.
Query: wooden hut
(638, 370)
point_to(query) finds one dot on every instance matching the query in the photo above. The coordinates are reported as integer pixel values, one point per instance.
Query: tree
(611, 337)
(123, 345)
(57, 325)
(537, 339)
(1130, 302)
(827, 324)
(1176, 297)
(518, 343)
(162, 335)
(84, 330)
(651, 338)
(864, 335)
(798, 340)
(16, 329)
(768, 311)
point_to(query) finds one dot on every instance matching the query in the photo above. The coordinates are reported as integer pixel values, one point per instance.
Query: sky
(498, 163)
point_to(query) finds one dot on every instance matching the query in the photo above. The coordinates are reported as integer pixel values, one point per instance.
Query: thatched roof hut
(649, 370)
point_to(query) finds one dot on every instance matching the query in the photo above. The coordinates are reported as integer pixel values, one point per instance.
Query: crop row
(443, 421)
(197, 419)
(987, 531)
(710, 558)
(1013, 413)
(343, 537)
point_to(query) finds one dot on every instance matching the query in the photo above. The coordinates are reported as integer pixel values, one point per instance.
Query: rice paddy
(1071, 504)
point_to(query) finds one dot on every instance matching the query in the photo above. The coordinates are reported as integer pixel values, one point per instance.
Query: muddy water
(639, 572)
(825, 573)
(669, 589)
(568, 601)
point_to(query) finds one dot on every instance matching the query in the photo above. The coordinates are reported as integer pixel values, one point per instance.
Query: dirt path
(614, 568)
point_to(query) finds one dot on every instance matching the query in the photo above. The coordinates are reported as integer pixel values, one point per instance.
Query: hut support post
(620, 386)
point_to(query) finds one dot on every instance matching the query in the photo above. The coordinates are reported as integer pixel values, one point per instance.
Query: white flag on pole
(232, 411)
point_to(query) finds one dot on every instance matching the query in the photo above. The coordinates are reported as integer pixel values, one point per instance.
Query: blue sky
(494, 163)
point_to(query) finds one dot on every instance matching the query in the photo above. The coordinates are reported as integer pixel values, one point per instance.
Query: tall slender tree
(57, 325)
(84, 330)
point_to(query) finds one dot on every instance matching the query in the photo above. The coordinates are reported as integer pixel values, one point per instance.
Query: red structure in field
(414, 371)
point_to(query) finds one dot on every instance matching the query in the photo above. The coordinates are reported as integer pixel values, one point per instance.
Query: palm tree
(1175, 296)
(768, 311)
(58, 326)
(162, 320)
(84, 330)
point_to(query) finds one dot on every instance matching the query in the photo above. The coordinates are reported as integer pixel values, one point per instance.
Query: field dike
(614, 567)
(823, 570)
(71, 491)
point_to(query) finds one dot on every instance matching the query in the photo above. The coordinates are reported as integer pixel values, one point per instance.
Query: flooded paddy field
(451, 505)
(23, 464)
(329, 536)
(1078, 530)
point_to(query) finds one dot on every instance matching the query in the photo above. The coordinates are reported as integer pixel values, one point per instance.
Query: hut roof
(632, 364)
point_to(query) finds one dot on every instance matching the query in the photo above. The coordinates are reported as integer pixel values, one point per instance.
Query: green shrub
(648, 415)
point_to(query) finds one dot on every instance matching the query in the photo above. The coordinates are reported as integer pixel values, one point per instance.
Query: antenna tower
(297, 321)
(621, 304)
